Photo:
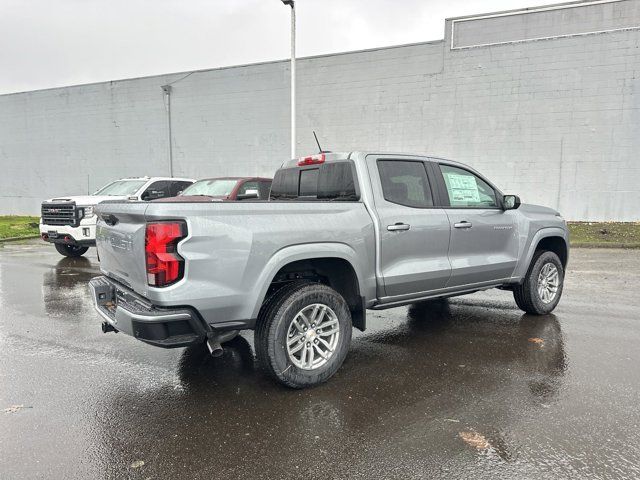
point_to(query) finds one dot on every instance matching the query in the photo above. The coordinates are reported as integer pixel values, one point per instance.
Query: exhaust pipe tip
(107, 327)
(214, 341)
(215, 349)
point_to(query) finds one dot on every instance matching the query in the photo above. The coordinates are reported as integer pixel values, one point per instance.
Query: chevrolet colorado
(340, 234)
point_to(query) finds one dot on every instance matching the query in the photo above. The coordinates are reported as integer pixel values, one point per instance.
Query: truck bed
(232, 248)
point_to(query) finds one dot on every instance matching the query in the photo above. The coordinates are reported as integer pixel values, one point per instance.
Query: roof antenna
(319, 147)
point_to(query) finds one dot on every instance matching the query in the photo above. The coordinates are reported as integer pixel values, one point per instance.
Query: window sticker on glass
(463, 188)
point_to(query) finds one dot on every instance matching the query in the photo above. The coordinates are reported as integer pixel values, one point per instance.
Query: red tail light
(164, 265)
(311, 160)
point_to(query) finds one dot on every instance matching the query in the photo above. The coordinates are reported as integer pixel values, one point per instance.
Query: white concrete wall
(555, 120)
(552, 21)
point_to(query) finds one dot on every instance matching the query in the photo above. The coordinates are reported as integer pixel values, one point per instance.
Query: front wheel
(542, 287)
(303, 334)
(70, 250)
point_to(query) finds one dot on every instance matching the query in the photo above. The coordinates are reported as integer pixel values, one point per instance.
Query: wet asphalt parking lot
(465, 388)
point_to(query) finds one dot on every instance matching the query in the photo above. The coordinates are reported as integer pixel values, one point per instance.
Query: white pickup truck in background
(69, 222)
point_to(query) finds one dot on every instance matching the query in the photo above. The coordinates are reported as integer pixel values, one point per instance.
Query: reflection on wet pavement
(64, 288)
(463, 388)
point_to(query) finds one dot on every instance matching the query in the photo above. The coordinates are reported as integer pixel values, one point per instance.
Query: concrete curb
(15, 239)
(628, 246)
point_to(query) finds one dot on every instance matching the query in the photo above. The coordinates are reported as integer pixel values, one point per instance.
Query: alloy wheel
(312, 336)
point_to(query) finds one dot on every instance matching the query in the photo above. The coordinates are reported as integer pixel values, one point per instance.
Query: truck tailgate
(120, 238)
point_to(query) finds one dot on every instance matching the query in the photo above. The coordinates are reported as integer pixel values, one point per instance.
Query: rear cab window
(308, 183)
(330, 181)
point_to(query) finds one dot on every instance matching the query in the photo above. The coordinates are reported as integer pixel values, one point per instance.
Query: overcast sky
(49, 43)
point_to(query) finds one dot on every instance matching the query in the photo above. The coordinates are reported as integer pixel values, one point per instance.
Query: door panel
(484, 238)
(414, 260)
(414, 239)
(486, 250)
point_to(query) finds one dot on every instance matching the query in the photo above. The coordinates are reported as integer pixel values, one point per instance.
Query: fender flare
(523, 266)
(305, 251)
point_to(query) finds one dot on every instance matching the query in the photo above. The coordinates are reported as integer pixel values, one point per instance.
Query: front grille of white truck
(60, 214)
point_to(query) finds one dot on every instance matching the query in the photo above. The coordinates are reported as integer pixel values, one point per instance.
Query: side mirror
(247, 196)
(510, 202)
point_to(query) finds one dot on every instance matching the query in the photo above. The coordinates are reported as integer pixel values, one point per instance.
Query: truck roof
(232, 178)
(156, 178)
(341, 156)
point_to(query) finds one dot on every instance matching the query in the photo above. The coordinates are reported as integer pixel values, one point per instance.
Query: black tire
(274, 320)
(70, 250)
(526, 294)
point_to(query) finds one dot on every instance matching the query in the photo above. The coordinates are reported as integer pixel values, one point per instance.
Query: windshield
(121, 188)
(211, 188)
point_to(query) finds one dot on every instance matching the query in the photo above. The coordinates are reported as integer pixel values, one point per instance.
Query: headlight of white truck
(88, 211)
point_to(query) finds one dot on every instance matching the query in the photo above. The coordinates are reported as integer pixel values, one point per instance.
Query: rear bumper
(129, 313)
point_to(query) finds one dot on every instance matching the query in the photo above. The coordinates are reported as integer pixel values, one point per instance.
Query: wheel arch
(554, 239)
(557, 245)
(335, 265)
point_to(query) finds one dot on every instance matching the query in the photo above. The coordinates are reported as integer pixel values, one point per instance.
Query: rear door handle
(463, 224)
(398, 226)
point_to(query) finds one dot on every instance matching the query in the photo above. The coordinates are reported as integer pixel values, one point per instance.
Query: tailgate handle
(110, 219)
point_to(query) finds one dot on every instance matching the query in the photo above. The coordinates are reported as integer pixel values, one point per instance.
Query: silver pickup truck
(340, 234)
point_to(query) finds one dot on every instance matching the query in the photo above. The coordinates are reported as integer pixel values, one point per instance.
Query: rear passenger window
(405, 183)
(160, 189)
(336, 182)
(177, 187)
